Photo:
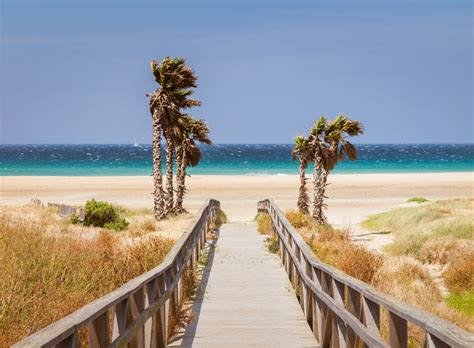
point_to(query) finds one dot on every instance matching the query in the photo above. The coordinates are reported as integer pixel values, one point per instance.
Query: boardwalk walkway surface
(245, 299)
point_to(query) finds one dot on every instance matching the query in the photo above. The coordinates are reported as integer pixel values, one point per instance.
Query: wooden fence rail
(345, 312)
(136, 314)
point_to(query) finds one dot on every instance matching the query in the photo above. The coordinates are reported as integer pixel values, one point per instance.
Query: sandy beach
(351, 196)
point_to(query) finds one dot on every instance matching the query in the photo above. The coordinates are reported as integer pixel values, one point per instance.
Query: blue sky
(78, 71)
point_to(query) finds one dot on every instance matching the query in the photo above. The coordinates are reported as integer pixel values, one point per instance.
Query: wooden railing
(345, 312)
(136, 314)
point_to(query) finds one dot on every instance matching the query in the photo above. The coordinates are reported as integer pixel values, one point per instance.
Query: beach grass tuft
(418, 200)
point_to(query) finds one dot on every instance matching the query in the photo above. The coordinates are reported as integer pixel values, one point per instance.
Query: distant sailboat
(135, 144)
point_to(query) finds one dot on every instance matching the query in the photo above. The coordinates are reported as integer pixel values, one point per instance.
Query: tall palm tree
(336, 148)
(302, 151)
(188, 153)
(319, 151)
(176, 82)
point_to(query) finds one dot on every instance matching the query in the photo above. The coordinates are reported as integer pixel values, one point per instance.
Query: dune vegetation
(51, 267)
(439, 234)
(402, 277)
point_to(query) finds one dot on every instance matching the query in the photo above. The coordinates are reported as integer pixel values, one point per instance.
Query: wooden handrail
(343, 311)
(138, 312)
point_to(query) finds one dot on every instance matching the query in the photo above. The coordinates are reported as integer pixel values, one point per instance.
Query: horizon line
(131, 143)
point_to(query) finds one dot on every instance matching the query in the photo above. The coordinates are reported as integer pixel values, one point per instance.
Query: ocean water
(238, 159)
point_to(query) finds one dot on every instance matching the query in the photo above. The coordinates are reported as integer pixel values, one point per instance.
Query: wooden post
(162, 316)
(371, 312)
(431, 341)
(397, 331)
(98, 331)
(338, 325)
(72, 341)
(353, 305)
(120, 312)
(136, 306)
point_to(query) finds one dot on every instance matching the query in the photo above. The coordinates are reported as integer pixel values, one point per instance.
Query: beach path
(245, 298)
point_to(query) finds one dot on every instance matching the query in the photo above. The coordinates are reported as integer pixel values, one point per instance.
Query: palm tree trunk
(180, 180)
(319, 188)
(303, 199)
(169, 174)
(157, 174)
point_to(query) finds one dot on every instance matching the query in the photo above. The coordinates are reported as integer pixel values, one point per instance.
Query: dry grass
(401, 277)
(264, 223)
(48, 269)
(459, 277)
(438, 233)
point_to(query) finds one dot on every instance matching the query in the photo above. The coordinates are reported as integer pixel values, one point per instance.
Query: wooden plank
(248, 300)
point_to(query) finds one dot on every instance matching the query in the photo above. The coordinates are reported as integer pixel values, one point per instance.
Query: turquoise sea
(222, 159)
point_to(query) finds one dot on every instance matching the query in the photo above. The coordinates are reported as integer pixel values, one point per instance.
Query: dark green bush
(103, 214)
(99, 213)
(119, 225)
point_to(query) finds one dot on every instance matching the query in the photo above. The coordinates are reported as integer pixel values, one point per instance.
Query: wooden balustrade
(136, 314)
(345, 312)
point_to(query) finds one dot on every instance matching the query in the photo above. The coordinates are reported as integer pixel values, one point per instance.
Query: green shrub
(119, 225)
(103, 214)
(417, 200)
(219, 219)
(75, 219)
(272, 244)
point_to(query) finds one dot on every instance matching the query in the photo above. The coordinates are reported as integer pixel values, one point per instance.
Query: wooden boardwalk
(245, 298)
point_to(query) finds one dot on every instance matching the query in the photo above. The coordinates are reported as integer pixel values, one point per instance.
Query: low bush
(298, 219)
(264, 223)
(417, 200)
(219, 219)
(103, 214)
(119, 224)
(75, 219)
(272, 244)
(98, 213)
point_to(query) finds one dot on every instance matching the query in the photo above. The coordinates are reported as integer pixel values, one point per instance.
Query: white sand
(351, 196)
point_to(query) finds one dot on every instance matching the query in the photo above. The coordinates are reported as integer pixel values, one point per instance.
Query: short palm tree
(176, 82)
(188, 153)
(302, 151)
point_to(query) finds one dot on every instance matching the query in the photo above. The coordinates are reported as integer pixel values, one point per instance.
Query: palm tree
(188, 153)
(176, 82)
(318, 150)
(302, 151)
(335, 147)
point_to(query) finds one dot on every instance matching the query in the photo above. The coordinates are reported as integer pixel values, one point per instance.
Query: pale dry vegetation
(402, 277)
(50, 267)
(442, 234)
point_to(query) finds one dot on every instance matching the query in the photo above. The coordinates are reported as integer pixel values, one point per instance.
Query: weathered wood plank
(248, 300)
